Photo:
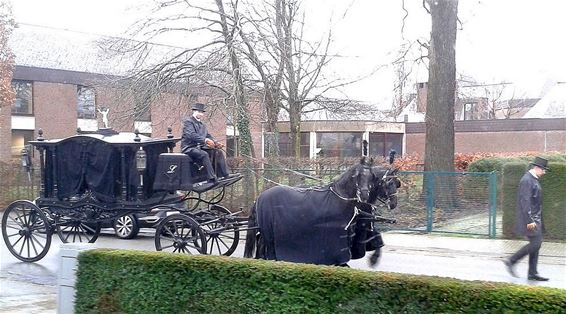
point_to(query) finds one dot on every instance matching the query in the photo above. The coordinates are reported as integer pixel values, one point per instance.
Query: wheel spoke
(22, 247)
(38, 242)
(10, 226)
(167, 246)
(15, 220)
(87, 228)
(79, 233)
(83, 230)
(21, 236)
(24, 217)
(30, 240)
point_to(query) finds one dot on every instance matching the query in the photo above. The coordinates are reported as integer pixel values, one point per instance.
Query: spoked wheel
(73, 231)
(222, 238)
(26, 231)
(180, 233)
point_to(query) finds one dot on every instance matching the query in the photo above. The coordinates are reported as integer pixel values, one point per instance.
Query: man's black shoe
(212, 180)
(537, 278)
(230, 176)
(510, 268)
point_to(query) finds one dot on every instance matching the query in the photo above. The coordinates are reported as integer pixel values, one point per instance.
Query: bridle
(359, 191)
(385, 181)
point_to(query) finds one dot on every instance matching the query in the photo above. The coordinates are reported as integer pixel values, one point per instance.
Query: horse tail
(251, 233)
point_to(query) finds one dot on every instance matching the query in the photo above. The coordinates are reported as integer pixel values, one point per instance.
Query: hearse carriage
(92, 178)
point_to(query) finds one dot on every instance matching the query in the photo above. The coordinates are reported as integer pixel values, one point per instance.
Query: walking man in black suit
(529, 218)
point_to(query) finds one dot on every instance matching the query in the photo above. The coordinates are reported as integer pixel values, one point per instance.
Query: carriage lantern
(141, 159)
(25, 160)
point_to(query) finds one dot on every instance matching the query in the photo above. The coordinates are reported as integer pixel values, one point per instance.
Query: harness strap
(344, 198)
(356, 212)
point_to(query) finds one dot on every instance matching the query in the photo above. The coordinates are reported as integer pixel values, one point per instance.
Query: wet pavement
(32, 287)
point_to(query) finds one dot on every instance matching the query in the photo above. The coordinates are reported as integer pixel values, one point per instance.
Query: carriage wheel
(26, 231)
(73, 231)
(180, 233)
(221, 238)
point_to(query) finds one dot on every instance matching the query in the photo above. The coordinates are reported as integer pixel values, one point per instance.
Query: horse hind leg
(251, 234)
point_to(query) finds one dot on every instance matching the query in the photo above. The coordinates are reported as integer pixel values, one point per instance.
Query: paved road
(31, 287)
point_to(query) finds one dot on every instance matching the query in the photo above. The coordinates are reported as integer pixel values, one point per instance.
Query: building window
(20, 138)
(86, 103)
(232, 143)
(343, 144)
(24, 98)
(469, 111)
(286, 145)
(381, 143)
(142, 109)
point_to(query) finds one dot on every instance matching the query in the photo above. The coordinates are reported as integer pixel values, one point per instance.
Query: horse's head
(357, 182)
(385, 186)
(363, 179)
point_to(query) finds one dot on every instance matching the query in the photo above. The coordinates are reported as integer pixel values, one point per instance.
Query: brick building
(62, 82)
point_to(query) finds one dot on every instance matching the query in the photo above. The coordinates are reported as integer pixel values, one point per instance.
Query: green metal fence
(450, 202)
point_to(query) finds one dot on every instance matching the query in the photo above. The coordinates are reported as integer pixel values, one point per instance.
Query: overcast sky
(518, 41)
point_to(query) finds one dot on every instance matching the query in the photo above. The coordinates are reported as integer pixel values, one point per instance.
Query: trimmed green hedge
(119, 281)
(553, 202)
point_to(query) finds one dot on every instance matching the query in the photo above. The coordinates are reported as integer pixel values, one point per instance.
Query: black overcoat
(194, 134)
(529, 206)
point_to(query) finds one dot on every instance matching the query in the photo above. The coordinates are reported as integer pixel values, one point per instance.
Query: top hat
(540, 162)
(199, 107)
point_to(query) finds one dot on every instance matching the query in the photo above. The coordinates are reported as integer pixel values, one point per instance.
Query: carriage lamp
(26, 162)
(141, 159)
(24, 156)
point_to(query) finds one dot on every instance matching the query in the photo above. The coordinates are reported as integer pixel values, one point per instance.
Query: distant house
(465, 108)
(552, 105)
(514, 108)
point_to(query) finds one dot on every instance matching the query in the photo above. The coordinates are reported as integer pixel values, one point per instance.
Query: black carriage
(88, 179)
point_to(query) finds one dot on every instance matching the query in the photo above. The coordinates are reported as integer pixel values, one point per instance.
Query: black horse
(311, 225)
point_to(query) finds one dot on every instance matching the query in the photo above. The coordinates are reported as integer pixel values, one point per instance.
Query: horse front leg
(374, 258)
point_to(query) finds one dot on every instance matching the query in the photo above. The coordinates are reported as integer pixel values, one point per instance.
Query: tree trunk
(439, 146)
(242, 114)
(295, 124)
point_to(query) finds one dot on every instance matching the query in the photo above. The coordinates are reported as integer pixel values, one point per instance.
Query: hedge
(119, 281)
(554, 200)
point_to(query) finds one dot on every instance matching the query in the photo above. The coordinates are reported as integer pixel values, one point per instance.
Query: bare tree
(439, 145)
(209, 65)
(306, 84)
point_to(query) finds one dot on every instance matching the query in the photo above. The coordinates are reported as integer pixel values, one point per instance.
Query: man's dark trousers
(532, 249)
(201, 157)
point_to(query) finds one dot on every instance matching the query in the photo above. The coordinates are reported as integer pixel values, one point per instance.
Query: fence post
(429, 188)
(492, 204)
